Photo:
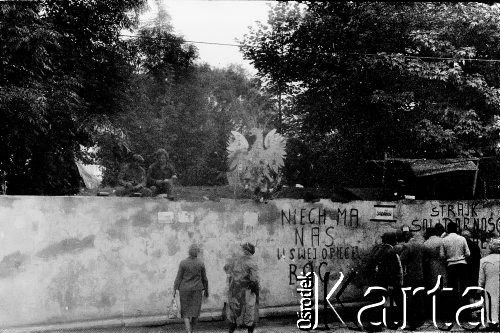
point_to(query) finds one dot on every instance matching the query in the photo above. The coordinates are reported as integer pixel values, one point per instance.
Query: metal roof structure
(429, 167)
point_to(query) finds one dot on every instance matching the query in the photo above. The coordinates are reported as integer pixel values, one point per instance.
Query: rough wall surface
(65, 259)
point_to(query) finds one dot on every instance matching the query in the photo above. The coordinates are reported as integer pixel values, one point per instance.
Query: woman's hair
(439, 228)
(249, 247)
(494, 245)
(466, 233)
(389, 238)
(194, 250)
(430, 232)
(451, 227)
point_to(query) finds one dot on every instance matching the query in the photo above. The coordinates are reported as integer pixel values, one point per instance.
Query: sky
(212, 21)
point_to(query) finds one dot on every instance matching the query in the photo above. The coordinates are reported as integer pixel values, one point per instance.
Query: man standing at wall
(434, 265)
(455, 250)
(388, 273)
(412, 260)
(473, 260)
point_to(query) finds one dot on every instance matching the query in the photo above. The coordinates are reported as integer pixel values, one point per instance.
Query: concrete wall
(66, 259)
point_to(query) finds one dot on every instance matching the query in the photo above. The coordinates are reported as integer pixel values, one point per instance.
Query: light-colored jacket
(489, 272)
(454, 249)
(435, 265)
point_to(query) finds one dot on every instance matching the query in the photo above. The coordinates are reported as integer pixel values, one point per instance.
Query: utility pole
(280, 120)
(476, 161)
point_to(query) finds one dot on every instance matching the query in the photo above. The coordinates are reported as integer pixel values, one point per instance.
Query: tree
(158, 106)
(187, 109)
(370, 79)
(62, 66)
(232, 101)
(172, 103)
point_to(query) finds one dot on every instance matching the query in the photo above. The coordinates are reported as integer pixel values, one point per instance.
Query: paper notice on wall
(250, 219)
(384, 213)
(185, 217)
(165, 217)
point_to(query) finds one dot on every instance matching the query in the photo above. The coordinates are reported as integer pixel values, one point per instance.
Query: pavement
(266, 325)
(272, 320)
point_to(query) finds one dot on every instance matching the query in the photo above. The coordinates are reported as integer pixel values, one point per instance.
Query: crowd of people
(433, 260)
(241, 307)
(133, 180)
(413, 259)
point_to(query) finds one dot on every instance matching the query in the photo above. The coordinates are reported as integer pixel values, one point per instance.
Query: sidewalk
(272, 320)
(266, 325)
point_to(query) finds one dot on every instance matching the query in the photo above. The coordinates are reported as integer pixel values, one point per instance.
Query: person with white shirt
(454, 250)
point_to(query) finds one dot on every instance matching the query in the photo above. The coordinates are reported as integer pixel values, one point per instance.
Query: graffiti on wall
(315, 244)
(467, 215)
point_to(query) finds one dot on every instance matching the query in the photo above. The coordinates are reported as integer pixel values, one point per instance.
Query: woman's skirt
(190, 303)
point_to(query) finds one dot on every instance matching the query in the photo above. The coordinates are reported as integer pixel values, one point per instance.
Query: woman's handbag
(224, 312)
(174, 309)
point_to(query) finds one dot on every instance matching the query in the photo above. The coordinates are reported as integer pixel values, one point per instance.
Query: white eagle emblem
(256, 166)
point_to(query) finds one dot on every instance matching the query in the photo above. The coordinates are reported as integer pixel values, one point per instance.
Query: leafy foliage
(366, 79)
(185, 108)
(62, 68)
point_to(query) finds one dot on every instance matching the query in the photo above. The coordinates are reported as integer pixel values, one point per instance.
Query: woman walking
(243, 294)
(488, 279)
(191, 280)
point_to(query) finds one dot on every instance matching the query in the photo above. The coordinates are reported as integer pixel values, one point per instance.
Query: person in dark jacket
(191, 280)
(161, 174)
(388, 274)
(473, 260)
(412, 259)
